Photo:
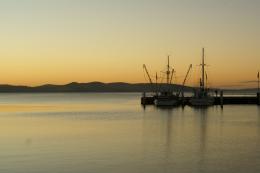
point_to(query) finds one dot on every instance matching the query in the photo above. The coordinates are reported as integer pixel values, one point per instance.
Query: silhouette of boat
(167, 99)
(165, 96)
(201, 96)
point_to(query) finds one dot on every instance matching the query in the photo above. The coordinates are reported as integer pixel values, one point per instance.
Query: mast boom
(149, 77)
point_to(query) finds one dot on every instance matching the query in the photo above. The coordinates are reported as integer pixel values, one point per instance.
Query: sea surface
(113, 133)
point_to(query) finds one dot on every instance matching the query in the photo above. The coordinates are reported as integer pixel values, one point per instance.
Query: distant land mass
(96, 87)
(87, 87)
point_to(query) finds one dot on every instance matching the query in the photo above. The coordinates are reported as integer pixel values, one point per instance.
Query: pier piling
(221, 99)
(258, 98)
(182, 98)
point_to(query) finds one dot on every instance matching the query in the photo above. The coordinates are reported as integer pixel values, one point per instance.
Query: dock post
(143, 99)
(216, 92)
(221, 99)
(182, 99)
(144, 94)
(258, 98)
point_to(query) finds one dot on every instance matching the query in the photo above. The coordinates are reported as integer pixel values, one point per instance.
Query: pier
(218, 100)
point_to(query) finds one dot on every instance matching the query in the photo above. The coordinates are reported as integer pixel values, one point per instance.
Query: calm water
(112, 133)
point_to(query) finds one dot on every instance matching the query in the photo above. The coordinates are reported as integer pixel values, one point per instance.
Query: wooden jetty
(219, 100)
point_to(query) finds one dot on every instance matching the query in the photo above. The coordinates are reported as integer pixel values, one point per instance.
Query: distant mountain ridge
(87, 87)
(100, 87)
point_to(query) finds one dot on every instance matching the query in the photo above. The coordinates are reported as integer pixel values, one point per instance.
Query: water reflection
(196, 136)
(258, 125)
(157, 138)
(169, 132)
(202, 124)
(121, 136)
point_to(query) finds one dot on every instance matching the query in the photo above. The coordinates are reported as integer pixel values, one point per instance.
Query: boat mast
(168, 70)
(203, 70)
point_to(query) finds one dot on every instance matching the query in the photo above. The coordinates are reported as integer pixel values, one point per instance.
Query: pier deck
(227, 100)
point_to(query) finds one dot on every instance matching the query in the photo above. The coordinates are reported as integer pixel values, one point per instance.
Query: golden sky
(61, 41)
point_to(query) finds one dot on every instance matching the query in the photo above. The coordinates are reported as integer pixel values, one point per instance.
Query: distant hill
(87, 87)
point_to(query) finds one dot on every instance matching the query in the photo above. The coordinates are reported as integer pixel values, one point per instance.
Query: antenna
(203, 69)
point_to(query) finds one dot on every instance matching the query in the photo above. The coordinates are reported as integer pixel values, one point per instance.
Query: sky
(61, 41)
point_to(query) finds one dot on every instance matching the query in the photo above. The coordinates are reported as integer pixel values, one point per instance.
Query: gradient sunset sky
(60, 41)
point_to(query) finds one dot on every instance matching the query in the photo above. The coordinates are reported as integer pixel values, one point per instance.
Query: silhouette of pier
(219, 100)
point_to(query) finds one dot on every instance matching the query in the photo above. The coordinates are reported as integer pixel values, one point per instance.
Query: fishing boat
(165, 96)
(201, 95)
(166, 99)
